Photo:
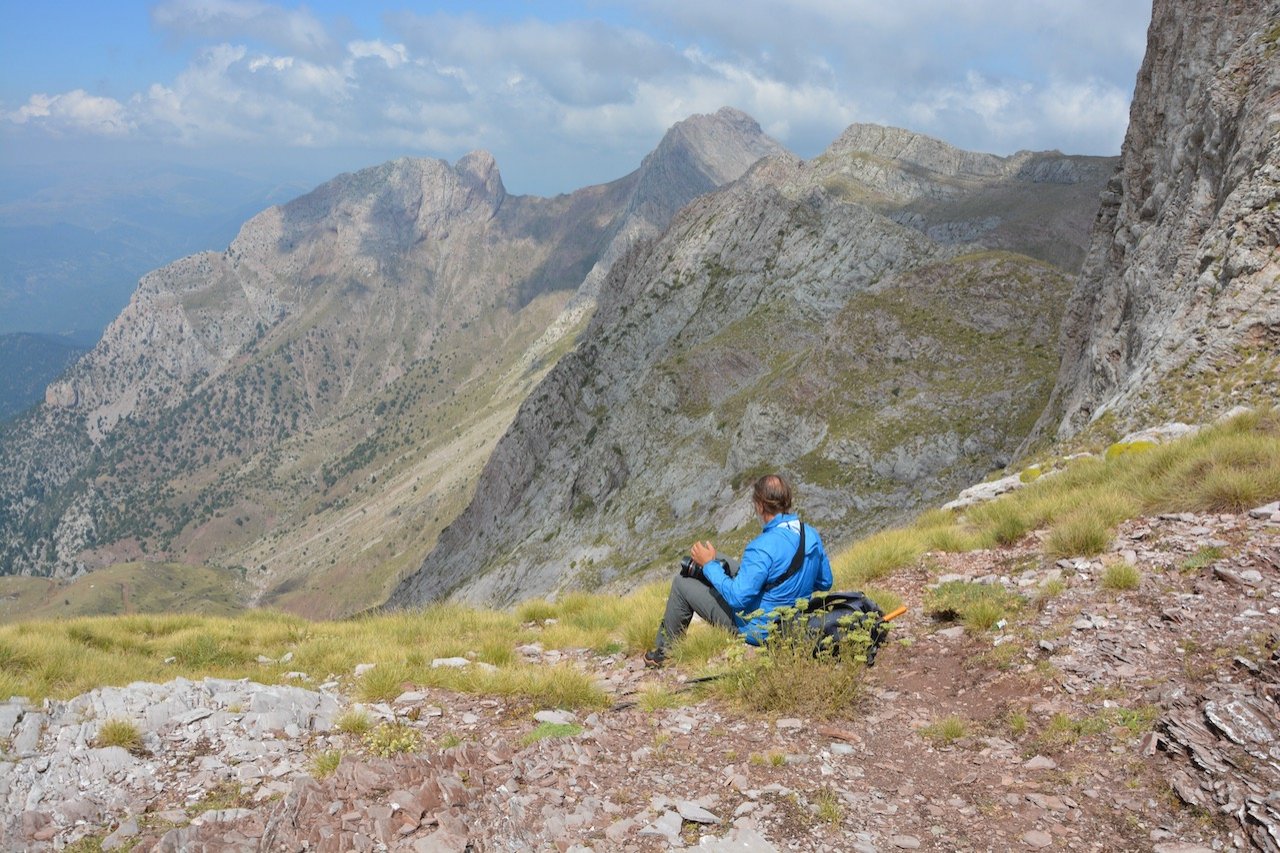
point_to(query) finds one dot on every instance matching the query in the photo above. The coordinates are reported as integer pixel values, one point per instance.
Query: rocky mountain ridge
(245, 405)
(783, 321)
(1177, 311)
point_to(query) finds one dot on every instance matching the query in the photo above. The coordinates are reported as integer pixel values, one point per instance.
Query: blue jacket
(768, 557)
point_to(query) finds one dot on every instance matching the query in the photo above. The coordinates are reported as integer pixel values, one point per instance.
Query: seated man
(745, 600)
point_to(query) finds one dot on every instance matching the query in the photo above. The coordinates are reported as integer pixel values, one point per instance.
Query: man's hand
(702, 552)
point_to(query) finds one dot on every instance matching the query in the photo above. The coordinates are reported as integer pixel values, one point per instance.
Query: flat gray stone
(454, 663)
(1037, 839)
(694, 812)
(905, 842)
(1039, 762)
(556, 717)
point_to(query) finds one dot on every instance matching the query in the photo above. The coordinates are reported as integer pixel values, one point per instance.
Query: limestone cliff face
(1178, 308)
(784, 322)
(319, 398)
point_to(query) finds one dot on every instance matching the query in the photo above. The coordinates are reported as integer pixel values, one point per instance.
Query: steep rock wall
(1178, 306)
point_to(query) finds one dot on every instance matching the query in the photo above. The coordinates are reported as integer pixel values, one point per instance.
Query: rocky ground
(1092, 720)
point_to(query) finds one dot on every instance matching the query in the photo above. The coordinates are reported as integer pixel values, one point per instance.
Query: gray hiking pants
(689, 596)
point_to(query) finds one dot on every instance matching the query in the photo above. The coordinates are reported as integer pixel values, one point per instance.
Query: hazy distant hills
(29, 363)
(75, 241)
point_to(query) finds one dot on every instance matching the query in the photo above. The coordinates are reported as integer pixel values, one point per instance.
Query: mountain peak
(480, 166)
(722, 145)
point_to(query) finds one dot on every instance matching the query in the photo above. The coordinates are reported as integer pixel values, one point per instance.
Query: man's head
(772, 495)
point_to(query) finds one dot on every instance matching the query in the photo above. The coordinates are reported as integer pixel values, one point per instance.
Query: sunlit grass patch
(946, 731)
(383, 683)
(701, 643)
(977, 606)
(353, 721)
(1121, 577)
(551, 730)
(878, 556)
(1080, 534)
(323, 764)
(121, 733)
(655, 697)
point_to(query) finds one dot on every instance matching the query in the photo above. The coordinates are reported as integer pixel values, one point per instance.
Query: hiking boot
(654, 658)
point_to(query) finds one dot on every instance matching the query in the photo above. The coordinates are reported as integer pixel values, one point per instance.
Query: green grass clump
(551, 730)
(536, 610)
(382, 683)
(946, 731)
(1121, 577)
(121, 733)
(353, 721)
(323, 764)
(977, 606)
(655, 697)
(827, 806)
(392, 738)
(1207, 555)
(1080, 534)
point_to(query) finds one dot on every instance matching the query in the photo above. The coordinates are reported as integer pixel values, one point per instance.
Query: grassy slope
(125, 588)
(1226, 468)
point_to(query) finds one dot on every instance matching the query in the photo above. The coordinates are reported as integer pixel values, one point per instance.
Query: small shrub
(353, 721)
(391, 738)
(946, 731)
(323, 764)
(1017, 721)
(551, 730)
(787, 676)
(449, 741)
(1121, 577)
(118, 732)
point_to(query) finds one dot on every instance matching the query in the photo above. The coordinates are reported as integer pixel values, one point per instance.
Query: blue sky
(564, 94)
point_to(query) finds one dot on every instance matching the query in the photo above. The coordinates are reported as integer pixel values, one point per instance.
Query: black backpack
(832, 618)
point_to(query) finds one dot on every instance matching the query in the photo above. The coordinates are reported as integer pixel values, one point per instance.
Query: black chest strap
(796, 562)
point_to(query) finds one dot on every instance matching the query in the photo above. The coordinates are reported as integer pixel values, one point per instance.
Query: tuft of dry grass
(121, 733)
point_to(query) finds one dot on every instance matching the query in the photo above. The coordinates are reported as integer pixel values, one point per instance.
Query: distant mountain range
(314, 403)
(409, 384)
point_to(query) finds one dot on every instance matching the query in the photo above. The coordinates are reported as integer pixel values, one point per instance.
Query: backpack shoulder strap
(796, 562)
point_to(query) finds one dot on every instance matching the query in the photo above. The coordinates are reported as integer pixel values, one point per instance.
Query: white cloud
(985, 74)
(74, 111)
(293, 30)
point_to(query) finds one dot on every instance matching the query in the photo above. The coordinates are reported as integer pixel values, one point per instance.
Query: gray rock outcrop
(783, 322)
(1179, 289)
